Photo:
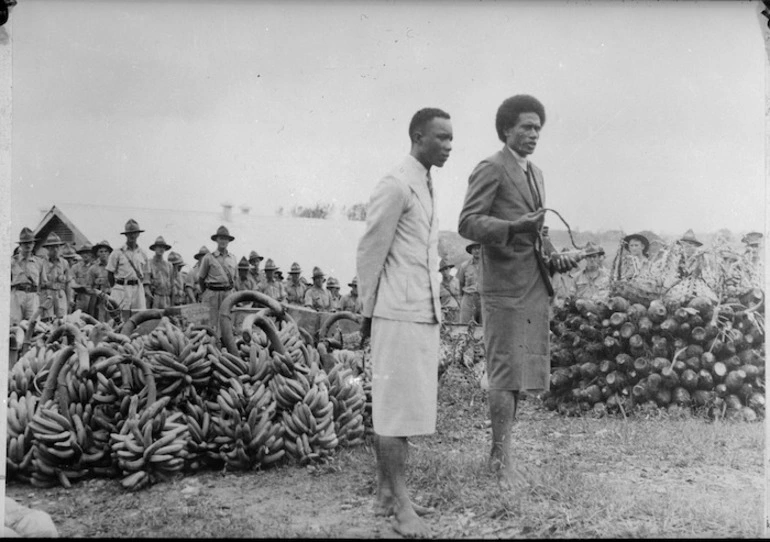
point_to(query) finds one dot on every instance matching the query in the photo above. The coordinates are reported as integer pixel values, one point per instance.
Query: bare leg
(502, 410)
(391, 492)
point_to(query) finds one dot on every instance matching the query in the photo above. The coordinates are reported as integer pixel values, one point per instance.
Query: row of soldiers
(99, 280)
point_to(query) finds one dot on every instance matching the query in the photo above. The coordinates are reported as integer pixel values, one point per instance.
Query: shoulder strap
(222, 267)
(131, 263)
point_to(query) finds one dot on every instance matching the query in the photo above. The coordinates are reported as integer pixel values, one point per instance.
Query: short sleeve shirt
(119, 264)
(318, 298)
(218, 269)
(26, 271)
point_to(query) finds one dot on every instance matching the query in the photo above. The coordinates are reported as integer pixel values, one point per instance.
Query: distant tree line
(357, 211)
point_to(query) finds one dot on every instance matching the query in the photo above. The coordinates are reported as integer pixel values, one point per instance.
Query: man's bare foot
(409, 525)
(386, 507)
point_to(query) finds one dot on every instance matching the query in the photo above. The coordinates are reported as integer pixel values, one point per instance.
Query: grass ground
(599, 478)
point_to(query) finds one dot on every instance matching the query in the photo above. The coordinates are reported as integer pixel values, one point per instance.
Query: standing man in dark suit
(503, 211)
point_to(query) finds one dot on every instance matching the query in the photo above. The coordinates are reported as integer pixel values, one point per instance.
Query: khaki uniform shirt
(467, 276)
(79, 274)
(295, 294)
(119, 264)
(450, 294)
(247, 283)
(27, 270)
(218, 275)
(318, 298)
(336, 302)
(57, 274)
(179, 286)
(351, 303)
(273, 289)
(159, 276)
(97, 278)
(586, 286)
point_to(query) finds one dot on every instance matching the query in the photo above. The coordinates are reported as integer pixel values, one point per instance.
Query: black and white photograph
(384, 269)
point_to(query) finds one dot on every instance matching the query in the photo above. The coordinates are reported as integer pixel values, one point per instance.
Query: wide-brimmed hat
(53, 240)
(470, 247)
(443, 264)
(101, 244)
(174, 258)
(270, 265)
(639, 237)
(132, 226)
(244, 264)
(295, 269)
(317, 272)
(353, 282)
(752, 238)
(160, 242)
(69, 253)
(202, 252)
(592, 249)
(85, 247)
(254, 256)
(222, 232)
(689, 237)
(26, 236)
(332, 283)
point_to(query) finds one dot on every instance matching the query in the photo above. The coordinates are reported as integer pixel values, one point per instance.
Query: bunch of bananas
(30, 370)
(349, 400)
(202, 451)
(310, 434)
(20, 411)
(244, 429)
(150, 445)
(292, 342)
(57, 451)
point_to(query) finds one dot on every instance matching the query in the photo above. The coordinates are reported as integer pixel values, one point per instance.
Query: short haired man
(98, 283)
(216, 276)
(27, 275)
(159, 276)
(79, 278)
(351, 302)
(467, 277)
(503, 211)
(295, 290)
(127, 273)
(270, 286)
(316, 297)
(397, 263)
(593, 281)
(56, 285)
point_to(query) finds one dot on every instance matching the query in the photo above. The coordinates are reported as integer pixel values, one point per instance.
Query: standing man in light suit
(397, 263)
(503, 211)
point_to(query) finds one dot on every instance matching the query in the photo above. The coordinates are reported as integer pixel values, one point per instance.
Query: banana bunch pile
(202, 451)
(245, 426)
(56, 445)
(310, 434)
(30, 370)
(293, 344)
(151, 444)
(349, 400)
(20, 411)
(354, 360)
(179, 360)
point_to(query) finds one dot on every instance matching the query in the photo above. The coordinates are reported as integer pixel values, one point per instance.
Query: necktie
(533, 187)
(430, 185)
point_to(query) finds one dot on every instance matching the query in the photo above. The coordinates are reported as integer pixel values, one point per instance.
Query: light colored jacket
(397, 259)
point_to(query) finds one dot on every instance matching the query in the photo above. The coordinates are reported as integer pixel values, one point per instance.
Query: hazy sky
(655, 111)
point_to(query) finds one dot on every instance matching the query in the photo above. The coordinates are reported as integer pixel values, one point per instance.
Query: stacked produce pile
(616, 356)
(86, 400)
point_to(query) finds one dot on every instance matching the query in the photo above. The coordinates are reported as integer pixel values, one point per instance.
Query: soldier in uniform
(316, 297)
(333, 286)
(79, 277)
(295, 290)
(182, 291)
(27, 275)
(449, 292)
(752, 255)
(270, 286)
(192, 276)
(159, 275)
(467, 276)
(97, 282)
(255, 272)
(217, 275)
(351, 302)
(245, 280)
(593, 281)
(56, 285)
(127, 273)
